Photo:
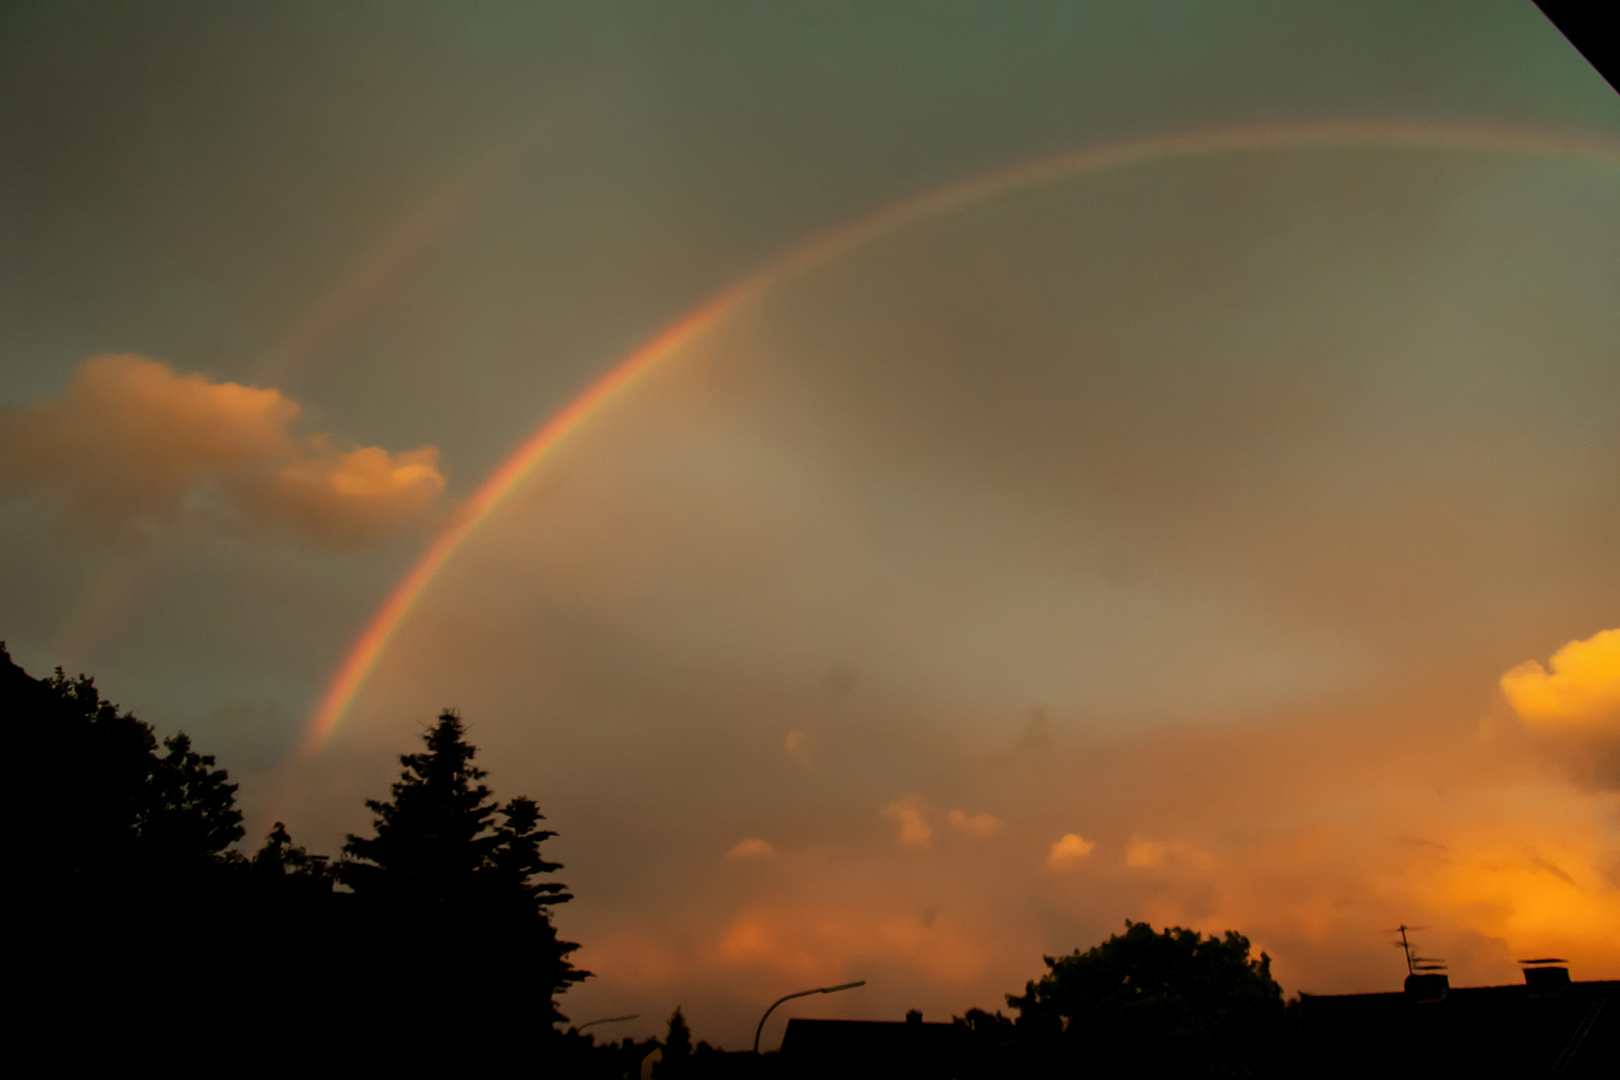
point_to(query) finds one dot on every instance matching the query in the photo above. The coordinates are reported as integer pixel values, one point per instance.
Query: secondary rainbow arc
(368, 648)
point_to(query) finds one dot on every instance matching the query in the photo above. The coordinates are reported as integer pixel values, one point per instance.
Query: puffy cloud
(1068, 850)
(1143, 853)
(131, 438)
(977, 825)
(751, 849)
(1580, 695)
(911, 814)
(916, 818)
(356, 494)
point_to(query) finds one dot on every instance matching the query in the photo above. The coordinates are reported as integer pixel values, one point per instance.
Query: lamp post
(607, 1020)
(801, 993)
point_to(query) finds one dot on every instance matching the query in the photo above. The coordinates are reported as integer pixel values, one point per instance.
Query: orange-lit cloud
(355, 494)
(131, 439)
(817, 942)
(916, 819)
(751, 849)
(1068, 850)
(1526, 869)
(976, 825)
(1144, 853)
(1580, 695)
(911, 814)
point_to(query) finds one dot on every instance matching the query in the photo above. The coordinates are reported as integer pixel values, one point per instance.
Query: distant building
(842, 1048)
(1547, 1026)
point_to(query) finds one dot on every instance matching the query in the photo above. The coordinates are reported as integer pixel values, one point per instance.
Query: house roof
(912, 1048)
(1571, 1029)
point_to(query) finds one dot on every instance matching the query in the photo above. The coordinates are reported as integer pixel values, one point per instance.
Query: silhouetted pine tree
(676, 1061)
(461, 886)
(435, 836)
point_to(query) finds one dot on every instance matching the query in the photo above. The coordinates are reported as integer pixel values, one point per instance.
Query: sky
(1057, 464)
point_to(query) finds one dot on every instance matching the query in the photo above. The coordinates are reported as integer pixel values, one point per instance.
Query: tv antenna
(1415, 964)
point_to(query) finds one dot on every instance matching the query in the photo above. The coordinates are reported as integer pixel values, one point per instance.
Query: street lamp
(801, 993)
(607, 1020)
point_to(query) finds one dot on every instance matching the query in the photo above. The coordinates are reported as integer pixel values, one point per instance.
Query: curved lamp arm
(607, 1020)
(801, 993)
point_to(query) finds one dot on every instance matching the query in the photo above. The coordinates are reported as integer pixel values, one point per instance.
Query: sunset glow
(906, 490)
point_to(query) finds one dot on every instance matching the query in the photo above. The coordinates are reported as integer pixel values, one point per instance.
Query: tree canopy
(124, 806)
(141, 908)
(1176, 999)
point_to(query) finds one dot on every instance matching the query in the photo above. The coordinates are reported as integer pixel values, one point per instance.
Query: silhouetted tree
(515, 862)
(435, 836)
(137, 906)
(990, 1044)
(140, 909)
(190, 817)
(460, 885)
(1170, 1002)
(97, 800)
(677, 1056)
(280, 857)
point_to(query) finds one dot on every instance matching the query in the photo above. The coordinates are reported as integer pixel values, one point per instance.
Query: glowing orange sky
(798, 590)
(904, 491)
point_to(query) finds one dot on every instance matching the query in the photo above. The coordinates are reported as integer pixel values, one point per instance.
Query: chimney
(1427, 988)
(1546, 978)
(915, 1017)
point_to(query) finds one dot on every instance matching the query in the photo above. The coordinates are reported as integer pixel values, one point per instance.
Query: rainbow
(369, 279)
(362, 658)
(108, 599)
